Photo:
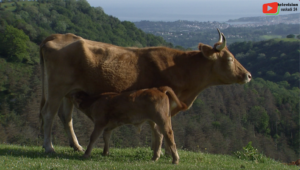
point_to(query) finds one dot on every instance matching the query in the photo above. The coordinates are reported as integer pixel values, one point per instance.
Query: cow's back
(96, 67)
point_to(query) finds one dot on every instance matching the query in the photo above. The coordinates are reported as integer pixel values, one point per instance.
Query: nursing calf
(110, 110)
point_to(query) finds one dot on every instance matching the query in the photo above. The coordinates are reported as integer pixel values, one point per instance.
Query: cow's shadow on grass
(135, 155)
(36, 153)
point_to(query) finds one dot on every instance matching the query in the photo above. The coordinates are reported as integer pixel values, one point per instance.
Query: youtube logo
(270, 8)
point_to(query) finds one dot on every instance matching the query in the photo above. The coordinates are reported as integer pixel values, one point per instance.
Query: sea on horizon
(169, 18)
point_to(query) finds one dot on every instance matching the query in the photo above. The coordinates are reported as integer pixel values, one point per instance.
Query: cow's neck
(195, 75)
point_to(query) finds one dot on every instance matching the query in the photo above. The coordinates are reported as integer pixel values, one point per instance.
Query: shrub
(250, 153)
(290, 36)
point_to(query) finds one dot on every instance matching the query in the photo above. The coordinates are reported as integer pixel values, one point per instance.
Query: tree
(290, 36)
(13, 44)
(83, 6)
(259, 118)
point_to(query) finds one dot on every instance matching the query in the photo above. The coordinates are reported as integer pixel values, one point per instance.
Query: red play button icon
(270, 8)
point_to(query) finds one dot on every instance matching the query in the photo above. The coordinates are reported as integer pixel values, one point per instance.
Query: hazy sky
(171, 10)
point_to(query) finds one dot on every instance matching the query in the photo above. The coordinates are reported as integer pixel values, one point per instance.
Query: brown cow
(71, 63)
(110, 110)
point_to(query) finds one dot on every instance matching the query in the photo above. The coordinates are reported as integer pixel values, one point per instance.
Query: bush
(290, 36)
(250, 153)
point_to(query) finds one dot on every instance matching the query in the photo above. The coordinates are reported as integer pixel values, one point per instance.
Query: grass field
(267, 37)
(287, 39)
(28, 157)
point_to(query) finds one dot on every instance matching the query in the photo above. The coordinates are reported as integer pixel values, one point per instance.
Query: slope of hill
(40, 19)
(276, 60)
(24, 157)
(222, 120)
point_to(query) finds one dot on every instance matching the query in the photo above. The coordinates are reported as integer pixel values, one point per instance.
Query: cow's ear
(207, 51)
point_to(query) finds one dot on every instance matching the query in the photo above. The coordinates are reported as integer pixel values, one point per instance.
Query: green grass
(8, 6)
(33, 157)
(287, 39)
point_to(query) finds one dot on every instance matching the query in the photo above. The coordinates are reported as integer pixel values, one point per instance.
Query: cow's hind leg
(48, 113)
(157, 138)
(65, 115)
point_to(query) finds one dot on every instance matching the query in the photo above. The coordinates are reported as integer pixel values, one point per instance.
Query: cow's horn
(220, 36)
(221, 46)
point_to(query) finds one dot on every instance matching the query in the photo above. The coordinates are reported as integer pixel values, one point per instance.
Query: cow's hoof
(105, 154)
(86, 156)
(155, 158)
(49, 150)
(175, 162)
(79, 149)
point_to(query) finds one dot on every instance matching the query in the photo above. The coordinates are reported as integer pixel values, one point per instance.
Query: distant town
(189, 33)
(190, 26)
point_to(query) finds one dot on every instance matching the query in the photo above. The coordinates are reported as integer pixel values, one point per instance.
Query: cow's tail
(43, 86)
(171, 94)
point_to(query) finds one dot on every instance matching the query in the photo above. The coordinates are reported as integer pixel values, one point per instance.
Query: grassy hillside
(11, 6)
(25, 157)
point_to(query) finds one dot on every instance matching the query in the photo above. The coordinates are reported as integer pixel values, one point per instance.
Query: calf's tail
(171, 94)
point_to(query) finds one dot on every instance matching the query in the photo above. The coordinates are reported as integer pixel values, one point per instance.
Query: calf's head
(78, 98)
(226, 69)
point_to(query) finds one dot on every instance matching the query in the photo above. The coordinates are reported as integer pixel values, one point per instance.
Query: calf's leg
(106, 138)
(166, 128)
(98, 129)
(157, 138)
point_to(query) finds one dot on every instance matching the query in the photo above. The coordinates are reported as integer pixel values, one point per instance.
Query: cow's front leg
(168, 152)
(65, 114)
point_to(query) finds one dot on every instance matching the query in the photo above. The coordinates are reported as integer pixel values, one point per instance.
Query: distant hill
(279, 18)
(275, 60)
(189, 33)
(222, 120)
(40, 19)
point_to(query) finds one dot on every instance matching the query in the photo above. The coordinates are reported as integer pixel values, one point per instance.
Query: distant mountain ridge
(284, 18)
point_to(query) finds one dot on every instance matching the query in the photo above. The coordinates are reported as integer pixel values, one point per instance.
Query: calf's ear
(208, 51)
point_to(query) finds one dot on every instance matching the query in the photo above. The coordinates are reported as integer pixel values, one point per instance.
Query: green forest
(222, 120)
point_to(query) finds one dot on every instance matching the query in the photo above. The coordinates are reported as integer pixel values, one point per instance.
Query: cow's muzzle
(247, 78)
